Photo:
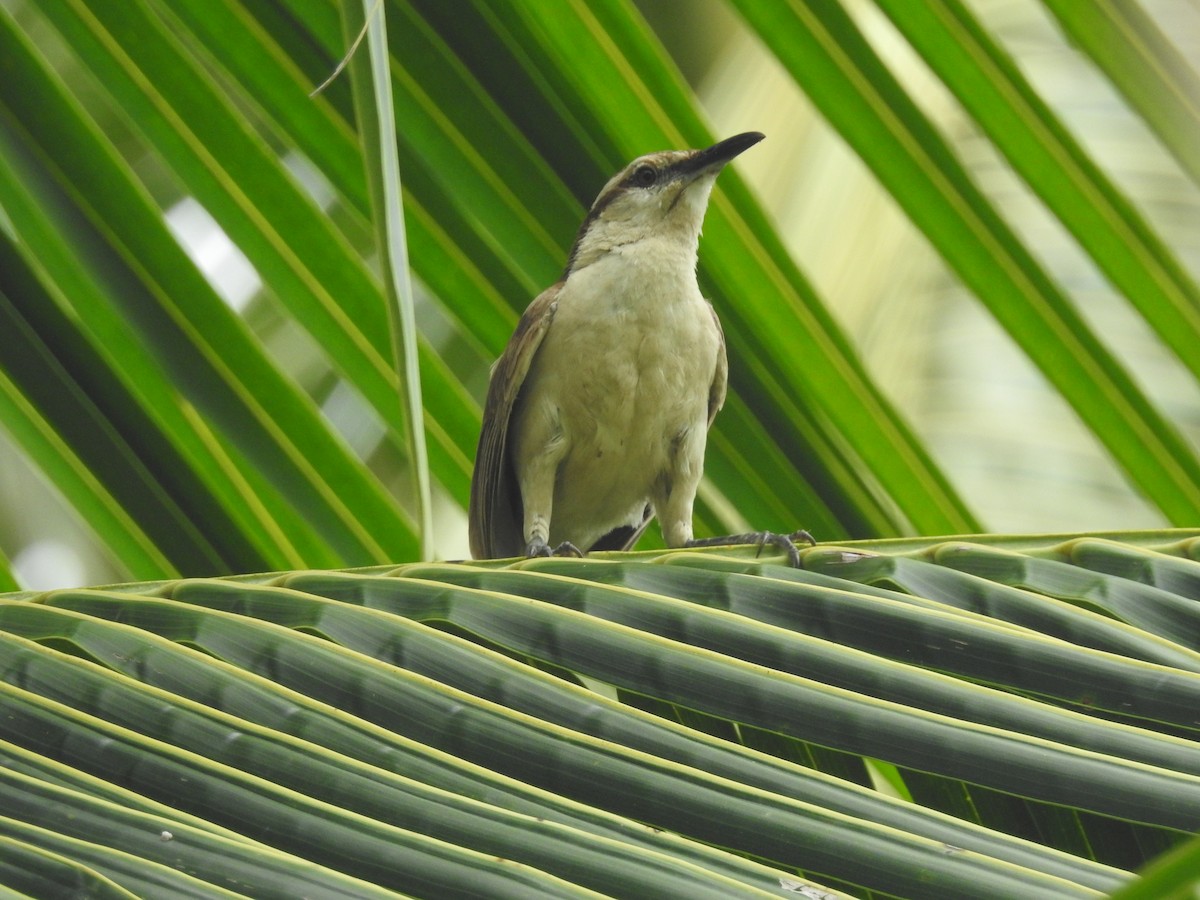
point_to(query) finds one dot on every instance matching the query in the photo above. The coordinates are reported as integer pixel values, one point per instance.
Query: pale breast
(628, 375)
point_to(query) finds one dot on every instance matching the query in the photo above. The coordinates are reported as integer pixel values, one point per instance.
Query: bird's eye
(644, 176)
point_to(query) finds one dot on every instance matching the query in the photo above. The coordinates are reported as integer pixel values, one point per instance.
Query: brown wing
(497, 517)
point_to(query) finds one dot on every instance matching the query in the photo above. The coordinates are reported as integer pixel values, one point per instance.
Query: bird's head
(660, 195)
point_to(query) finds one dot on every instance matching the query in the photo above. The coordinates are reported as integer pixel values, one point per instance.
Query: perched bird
(598, 410)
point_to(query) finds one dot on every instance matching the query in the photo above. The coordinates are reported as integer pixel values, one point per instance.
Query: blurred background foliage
(958, 279)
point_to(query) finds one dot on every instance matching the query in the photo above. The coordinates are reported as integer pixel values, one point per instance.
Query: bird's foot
(802, 534)
(785, 542)
(538, 547)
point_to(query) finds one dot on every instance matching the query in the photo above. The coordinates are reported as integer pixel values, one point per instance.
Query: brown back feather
(497, 516)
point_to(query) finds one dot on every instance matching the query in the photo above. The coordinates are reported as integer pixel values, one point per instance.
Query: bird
(598, 409)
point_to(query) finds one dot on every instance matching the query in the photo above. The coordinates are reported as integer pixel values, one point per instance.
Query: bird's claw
(538, 547)
(803, 535)
(785, 542)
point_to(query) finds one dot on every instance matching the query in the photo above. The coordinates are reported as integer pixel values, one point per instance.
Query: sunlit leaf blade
(893, 625)
(89, 376)
(1156, 566)
(718, 685)
(371, 79)
(446, 253)
(315, 703)
(185, 672)
(388, 854)
(64, 363)
(1151, 609)
(1102, 219)
(203, 346)
(831, 61)
(603, 864)
(1144, 65)
(131, 547)
(156, 853)
(933, 573)
(259, 700)
(29, 870)
(710, 806)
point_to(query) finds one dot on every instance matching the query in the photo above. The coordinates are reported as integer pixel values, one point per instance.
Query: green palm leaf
(436, 716)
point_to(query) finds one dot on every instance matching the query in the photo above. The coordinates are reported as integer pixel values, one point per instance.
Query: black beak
(721, 152)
